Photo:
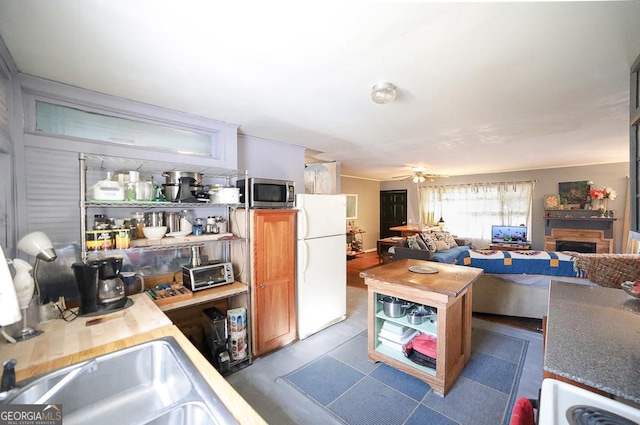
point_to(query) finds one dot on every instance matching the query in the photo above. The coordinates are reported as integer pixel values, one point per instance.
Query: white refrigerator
(321, 269)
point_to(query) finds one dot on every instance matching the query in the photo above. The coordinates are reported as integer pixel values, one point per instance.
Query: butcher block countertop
(447, 279)
(61, 339)
(64, 343)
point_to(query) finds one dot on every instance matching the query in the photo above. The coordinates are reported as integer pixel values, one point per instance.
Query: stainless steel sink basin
(151, 383)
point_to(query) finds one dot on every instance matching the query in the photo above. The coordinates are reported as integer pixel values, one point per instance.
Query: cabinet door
(274, 279)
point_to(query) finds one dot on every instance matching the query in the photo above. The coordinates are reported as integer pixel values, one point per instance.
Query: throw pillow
(412, 242)
(446, 237)
(440, 245)
(429, 241)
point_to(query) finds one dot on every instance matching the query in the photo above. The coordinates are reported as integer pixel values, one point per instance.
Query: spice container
(137, 222)
(121, 238)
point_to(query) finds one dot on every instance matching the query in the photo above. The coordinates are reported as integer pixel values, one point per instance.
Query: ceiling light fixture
(419, 179)
(383, 93)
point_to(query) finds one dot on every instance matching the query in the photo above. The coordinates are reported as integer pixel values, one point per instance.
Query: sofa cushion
(441, 245)
(415, 242)
(449, 255)
(429, 240)
(445, 237)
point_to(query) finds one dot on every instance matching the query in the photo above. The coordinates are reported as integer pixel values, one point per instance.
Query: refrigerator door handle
(304, 220)
(305, 257)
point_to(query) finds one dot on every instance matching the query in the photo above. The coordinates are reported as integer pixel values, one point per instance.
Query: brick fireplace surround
(578, 226)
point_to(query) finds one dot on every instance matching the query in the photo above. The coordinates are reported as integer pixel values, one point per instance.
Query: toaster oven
(207, 276)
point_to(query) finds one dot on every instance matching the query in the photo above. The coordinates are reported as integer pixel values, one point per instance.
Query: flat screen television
(516, 235)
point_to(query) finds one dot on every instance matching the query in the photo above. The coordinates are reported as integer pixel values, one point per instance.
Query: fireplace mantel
(579, 226)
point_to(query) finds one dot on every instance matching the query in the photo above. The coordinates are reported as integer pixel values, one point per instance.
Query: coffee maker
(100, 286)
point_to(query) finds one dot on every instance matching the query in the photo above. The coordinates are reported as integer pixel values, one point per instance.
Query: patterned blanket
(520, 262)
(608, 270)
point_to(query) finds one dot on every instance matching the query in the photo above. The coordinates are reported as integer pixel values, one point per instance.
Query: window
(72, 122)
(352, 207)
(470, 210)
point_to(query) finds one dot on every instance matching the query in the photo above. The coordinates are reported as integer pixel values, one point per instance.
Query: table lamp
(35, 244)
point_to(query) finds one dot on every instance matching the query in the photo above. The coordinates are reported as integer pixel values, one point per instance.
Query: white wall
(612, 175)
(368, 192)
(271, 160)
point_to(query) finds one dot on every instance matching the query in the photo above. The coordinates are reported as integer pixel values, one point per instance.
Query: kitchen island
(444, 287)
(65, 343)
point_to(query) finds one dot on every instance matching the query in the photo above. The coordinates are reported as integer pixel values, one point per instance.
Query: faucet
(8, 375)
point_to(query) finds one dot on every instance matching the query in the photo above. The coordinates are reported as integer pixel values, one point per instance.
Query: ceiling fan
(419, 175)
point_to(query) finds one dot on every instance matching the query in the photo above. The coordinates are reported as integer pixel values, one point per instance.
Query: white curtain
(469, 210)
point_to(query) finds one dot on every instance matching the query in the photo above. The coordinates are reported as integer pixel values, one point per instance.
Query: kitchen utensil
(106, 190)
(154, 218)
(130, 283)
(195, 257)
(172, 221)
(173, 177)
(394, 307)
(224, 195)
(415, 317)
(170, 192)
(630, 289)
(100, 286)
(154, 233)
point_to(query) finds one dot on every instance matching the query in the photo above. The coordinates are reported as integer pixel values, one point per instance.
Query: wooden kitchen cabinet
(273, 300)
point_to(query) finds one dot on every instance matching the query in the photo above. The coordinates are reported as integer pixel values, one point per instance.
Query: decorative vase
(601, 209)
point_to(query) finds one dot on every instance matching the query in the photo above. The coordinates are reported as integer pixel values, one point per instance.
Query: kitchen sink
(151, 383)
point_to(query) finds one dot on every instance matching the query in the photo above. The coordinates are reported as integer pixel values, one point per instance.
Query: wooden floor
(370, 259)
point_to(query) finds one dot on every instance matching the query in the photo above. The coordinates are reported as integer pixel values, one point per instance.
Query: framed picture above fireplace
(574, 193)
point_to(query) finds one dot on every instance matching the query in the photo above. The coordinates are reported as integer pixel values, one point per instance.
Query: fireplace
(579, 231)
(576, 246)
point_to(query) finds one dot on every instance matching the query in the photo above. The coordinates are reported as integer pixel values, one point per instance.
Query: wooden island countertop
(450, 280)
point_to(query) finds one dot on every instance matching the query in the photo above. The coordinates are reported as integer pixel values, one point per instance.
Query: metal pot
(394, 307)
(415, 317)
(173, 177)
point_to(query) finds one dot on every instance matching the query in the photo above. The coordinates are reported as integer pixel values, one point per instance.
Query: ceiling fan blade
(402, 177)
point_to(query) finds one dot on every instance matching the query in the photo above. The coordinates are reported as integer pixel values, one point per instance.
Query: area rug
(359, 392)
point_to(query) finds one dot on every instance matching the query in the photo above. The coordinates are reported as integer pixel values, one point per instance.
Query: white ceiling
(483, 87)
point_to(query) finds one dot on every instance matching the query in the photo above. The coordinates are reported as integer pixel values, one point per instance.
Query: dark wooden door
(393, 211)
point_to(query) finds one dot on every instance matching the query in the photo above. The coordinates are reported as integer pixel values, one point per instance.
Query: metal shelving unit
(113, 164)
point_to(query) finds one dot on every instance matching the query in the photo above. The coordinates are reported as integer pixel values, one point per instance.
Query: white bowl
(154, 232)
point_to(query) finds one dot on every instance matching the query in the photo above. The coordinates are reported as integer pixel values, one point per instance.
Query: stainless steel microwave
(267, 193)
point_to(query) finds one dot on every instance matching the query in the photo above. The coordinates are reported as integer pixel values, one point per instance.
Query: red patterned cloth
(608, 270)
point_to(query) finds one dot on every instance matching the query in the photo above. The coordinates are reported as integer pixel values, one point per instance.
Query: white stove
(566, 404)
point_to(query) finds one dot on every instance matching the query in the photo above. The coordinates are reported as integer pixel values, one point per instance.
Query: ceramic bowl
(154, 232)
(628, 288)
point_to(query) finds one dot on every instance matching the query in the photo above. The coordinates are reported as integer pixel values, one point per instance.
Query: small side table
(383, 246)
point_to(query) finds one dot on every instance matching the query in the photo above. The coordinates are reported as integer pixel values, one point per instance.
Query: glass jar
(187, 218)
(137, 223)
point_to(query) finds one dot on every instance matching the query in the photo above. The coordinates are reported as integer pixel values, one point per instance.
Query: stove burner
(588, 415)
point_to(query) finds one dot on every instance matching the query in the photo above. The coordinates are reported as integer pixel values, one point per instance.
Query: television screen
(509, 234)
